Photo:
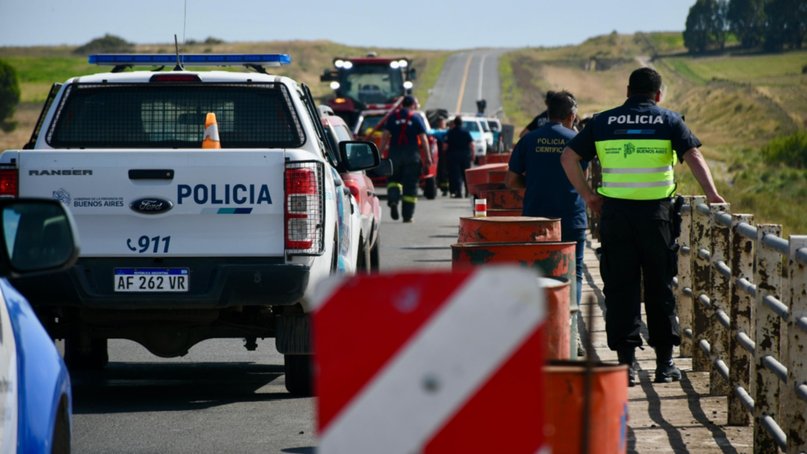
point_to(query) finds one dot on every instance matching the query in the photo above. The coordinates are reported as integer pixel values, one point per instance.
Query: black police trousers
(638, 248)
(403, 183)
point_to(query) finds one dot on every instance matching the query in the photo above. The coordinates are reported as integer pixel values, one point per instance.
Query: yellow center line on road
(462, 84)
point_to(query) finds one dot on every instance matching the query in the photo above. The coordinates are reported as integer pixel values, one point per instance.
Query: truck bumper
(212, 283)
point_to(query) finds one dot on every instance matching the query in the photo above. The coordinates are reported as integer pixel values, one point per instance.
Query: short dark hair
(549, 94)
(458, 121)
(408, 101)
(644, 81)
(561, 105)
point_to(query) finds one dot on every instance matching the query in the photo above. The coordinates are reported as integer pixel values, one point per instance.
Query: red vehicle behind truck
(365, 83)
(369, 126)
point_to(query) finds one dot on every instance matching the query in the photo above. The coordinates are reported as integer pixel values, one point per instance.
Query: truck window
(371, 84)
(159, 115)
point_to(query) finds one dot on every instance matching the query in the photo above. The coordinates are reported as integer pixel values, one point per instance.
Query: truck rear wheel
(430, 188)
(299, 375)
(85, 353)
(375, 254)
(364, 260)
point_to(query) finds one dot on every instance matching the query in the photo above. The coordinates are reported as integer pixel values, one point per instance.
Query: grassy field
(39, 67)
(735, 103)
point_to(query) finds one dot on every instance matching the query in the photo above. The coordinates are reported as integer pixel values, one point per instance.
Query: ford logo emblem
(151, 205)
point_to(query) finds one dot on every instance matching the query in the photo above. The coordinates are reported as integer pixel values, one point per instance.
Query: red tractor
(367, 83)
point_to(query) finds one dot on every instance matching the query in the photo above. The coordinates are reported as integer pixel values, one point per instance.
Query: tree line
(770, 25)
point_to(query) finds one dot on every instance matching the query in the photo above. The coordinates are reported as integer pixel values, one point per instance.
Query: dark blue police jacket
(549, 193)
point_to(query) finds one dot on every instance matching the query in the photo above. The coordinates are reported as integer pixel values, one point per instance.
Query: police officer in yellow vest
(637, 145)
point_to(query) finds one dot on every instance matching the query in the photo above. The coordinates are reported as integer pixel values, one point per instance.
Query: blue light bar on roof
(190, 59)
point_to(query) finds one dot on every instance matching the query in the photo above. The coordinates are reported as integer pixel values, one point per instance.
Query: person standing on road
(535, 165)
(439, 132)
(460, 152)
(405, 134)
(637, 144)
(539, 120)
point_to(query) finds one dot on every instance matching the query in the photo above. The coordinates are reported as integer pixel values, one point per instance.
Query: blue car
(38, 236)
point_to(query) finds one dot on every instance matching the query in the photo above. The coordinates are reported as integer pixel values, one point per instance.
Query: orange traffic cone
(211, 138)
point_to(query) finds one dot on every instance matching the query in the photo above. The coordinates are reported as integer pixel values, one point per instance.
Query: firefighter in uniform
(405, 133)
(637, 144)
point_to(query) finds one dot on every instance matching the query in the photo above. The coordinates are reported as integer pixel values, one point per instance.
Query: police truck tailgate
(165, 203)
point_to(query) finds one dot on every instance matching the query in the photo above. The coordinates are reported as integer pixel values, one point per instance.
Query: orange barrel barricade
(557, 326)
(522, 229)
(499, 212)
(481, 174)
(553, 259)
(563, 407)
(497, 175)
(503, 198)
(497, 157)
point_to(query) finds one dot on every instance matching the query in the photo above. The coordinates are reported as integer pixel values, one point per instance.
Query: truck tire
(430, 188)
(299, 375)
(60, 440)
(363, 260)
(90, 355)
(375, 254)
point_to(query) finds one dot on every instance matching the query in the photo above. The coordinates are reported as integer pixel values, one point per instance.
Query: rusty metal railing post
(718, 326)
(768, 277)
(794, 397)
(700, 282)
(684, 289)
(742, 267)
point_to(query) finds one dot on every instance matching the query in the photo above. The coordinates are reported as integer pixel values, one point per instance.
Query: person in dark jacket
(460, 152)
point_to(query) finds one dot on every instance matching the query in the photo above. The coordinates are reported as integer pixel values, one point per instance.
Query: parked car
(363, 191)
(486, 131)
(496, 129)
(35, 399)
(474, 126)
(368, 128)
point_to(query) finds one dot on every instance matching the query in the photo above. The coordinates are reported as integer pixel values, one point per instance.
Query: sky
(416, 24)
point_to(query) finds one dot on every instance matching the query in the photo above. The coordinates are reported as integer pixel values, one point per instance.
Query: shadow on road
(145, 387)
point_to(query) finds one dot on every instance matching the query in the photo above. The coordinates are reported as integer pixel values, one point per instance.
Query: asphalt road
(220, 397)
(223, 398)
(466, 78)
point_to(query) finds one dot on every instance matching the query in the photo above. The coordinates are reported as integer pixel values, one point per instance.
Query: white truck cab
(182, 242)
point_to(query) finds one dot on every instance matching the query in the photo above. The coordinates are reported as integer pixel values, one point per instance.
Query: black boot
(627, 355)
(407, 210)
(666, 371)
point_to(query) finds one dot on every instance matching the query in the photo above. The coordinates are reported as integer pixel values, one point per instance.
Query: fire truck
(367, 83)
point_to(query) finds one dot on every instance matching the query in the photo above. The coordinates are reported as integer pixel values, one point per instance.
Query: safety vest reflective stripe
(410, 199)
(639, 169)
(635, 185)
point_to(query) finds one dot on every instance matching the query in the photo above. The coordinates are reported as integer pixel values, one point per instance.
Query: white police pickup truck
(183, 243)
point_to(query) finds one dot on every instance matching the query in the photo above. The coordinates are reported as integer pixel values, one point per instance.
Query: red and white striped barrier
(430, 362)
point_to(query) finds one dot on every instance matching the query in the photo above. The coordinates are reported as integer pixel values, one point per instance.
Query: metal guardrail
(742, 298)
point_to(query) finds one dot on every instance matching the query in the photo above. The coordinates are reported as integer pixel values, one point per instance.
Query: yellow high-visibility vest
(637, 169)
